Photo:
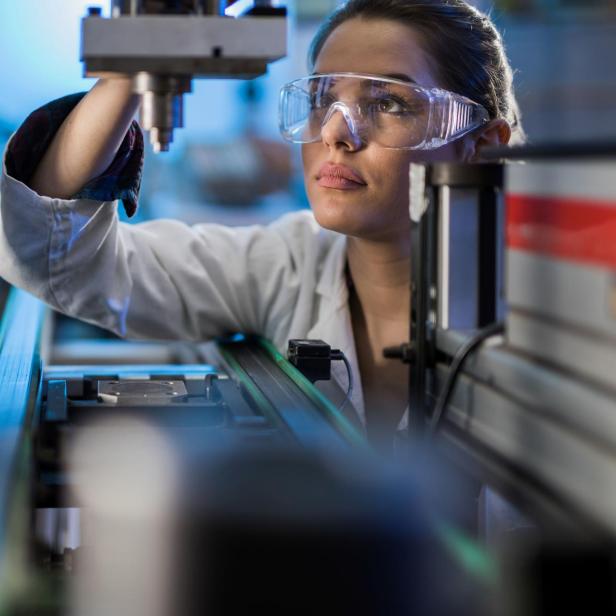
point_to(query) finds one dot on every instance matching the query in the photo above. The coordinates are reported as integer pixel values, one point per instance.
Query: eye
(320, 100)
(390, 104)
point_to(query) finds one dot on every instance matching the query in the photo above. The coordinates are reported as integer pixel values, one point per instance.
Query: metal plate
(140, 391)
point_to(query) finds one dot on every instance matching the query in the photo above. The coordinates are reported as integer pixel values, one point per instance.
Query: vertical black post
(486, 257)
(486, 182)
(423, 310)
(417, 328)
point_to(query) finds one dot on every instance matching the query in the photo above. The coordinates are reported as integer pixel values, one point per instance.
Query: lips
(341, 177)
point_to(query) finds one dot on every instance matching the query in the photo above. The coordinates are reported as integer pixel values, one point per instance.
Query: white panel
(580, 295)
(593, 180)
(593, 358)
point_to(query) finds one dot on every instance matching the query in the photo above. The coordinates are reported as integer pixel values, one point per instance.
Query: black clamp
(313, 358)
(404, 352)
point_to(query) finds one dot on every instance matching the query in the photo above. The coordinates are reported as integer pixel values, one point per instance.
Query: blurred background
(230, 165)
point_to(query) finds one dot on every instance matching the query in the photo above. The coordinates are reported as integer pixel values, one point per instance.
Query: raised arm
(87, 141)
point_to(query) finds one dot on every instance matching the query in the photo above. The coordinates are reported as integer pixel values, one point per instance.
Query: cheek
(310, 156)
(393, 183)
(310, 163)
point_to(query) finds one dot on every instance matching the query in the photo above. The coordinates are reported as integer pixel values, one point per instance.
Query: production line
(246, 446)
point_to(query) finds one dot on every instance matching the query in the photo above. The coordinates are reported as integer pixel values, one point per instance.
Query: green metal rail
(285, 396)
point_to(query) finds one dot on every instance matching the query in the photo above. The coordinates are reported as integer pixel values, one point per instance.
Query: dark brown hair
(467, 50)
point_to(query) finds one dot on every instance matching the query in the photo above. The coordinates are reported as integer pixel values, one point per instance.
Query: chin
(337, 214)
(341, 220)
(357, 215)
(340, 224)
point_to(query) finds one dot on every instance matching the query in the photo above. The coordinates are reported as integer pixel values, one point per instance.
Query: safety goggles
(389, 112)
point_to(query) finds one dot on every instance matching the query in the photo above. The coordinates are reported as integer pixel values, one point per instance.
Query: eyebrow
(401, 77)
(398, 76)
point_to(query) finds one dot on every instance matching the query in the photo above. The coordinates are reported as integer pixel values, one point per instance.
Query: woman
(340, 273)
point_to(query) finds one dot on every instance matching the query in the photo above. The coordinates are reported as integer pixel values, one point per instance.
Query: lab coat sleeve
(121, 180)
(156, 280)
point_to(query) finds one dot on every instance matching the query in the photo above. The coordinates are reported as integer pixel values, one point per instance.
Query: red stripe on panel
(571, 229)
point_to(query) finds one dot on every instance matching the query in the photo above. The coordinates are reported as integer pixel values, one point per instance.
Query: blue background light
(39, 54)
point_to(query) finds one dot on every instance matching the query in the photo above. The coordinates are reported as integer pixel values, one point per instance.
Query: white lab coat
(165, 280)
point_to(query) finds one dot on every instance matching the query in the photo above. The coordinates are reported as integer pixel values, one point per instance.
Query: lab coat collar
(332, 283)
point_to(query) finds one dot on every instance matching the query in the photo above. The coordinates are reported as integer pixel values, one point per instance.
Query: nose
(340, 128)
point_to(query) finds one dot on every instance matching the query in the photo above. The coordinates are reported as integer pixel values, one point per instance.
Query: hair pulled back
(466, 49)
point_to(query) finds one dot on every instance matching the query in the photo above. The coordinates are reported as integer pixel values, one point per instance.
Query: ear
(495, 132)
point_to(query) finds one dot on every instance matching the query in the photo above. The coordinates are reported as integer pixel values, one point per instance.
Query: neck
(381, 276)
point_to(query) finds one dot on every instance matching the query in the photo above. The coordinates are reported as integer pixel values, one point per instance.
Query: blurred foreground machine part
(163, 44)
(531, 412)
(198, 489)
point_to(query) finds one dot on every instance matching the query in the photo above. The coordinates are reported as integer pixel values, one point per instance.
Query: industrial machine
(163, 44)
(512, 355)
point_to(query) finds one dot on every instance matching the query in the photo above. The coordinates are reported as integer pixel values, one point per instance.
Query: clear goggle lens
(389, 112)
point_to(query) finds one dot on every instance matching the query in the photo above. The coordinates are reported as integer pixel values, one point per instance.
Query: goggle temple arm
(452, 117)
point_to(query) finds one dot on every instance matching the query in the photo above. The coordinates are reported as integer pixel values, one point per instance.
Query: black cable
(337, 354)
(440, 410)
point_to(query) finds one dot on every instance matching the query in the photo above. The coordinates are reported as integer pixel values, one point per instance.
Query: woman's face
(375, 208)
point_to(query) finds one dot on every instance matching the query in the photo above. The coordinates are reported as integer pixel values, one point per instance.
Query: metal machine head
(163, 44)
